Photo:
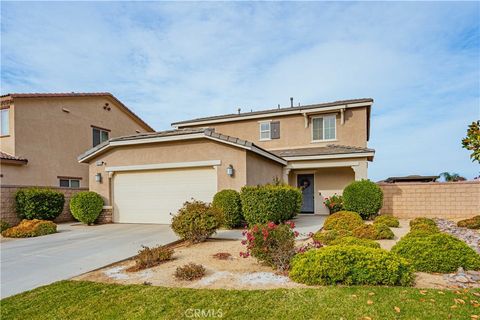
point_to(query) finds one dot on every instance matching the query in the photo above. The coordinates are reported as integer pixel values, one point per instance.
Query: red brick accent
(449, 200)
(106, 216)
(7, 203)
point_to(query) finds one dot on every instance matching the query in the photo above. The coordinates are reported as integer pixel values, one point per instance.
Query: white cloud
(172, 61)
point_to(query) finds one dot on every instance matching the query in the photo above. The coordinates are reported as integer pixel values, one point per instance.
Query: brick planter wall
(106, 216)
(449, 200)
(7, 203)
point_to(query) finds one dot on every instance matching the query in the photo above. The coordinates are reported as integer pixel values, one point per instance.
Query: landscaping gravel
(470, 237)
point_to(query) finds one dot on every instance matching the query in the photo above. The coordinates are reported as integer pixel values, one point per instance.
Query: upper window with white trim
(99, 136)
(324, 128)
(265, 131)
(5, 122)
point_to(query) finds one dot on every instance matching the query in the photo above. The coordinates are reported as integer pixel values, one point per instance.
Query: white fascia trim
(170, 165)
(332, 156)
(274, 114)
(315, 165)
(253, 149)
(143, 141)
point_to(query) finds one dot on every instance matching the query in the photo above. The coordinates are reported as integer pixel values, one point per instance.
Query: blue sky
(174, 61)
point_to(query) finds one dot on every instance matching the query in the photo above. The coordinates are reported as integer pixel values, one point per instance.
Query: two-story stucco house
(320, 148)
(42, 135)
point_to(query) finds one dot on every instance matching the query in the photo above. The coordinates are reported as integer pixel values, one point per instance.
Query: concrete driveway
(75, 249)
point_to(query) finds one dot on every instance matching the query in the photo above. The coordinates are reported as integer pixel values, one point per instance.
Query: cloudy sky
(174, 61)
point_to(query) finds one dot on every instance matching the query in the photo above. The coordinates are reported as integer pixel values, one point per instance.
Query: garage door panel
(150, 196)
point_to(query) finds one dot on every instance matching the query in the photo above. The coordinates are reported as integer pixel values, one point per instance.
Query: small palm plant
(452, 177)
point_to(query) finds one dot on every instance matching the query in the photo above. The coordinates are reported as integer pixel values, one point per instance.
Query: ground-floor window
(69, 182)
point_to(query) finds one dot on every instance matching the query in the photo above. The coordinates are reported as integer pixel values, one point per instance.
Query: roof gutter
(305, 111)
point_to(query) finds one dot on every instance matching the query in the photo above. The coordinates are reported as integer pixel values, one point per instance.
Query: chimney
(291, 102)
(239, 110)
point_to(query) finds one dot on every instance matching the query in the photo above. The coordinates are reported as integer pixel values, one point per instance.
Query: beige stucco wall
(7, 143)
(261, 170)
(171, 152)
(449, 200)
(52, 140)
(293, 133)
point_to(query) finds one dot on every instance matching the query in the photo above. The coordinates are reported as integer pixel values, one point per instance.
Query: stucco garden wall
(450, 200)
(7, 204)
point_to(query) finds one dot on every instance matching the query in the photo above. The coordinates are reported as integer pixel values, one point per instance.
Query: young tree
(452, 177)
(472, 140)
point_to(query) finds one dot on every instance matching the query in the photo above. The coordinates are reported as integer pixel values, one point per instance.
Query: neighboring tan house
(321, 148)
(42, 135)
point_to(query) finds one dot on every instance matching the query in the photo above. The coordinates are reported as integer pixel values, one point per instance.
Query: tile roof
(330, 149)
(208, 132)
(77, 94)
(277, 110)
(6, 156)
(411, 178)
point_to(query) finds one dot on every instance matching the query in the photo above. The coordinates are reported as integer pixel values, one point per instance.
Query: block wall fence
(449, 200)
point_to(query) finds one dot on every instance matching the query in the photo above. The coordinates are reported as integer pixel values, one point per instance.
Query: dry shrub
(189, 272)
(222, 255)
(30, 228)
(150, 257)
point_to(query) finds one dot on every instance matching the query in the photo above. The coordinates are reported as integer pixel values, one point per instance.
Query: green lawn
(88, 300)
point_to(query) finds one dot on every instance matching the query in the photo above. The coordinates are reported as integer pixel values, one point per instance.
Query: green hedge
(196, 221)
(343, 220)
(352, 241)
(276, 203)
(41, 204)
(364, 197)
(228, 201)
(86, 206)
(437, 252)
(351, 265)
(422, 220)
(390, 221)
(327, 236)
(375, 231)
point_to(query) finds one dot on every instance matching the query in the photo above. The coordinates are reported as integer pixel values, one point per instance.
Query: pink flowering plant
(313, 244)
(334, 203)
(272, 244)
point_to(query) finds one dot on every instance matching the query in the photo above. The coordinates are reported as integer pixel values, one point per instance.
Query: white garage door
(150, 196)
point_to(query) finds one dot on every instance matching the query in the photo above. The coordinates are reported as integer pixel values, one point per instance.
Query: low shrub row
(30, 228)
(351, 265)
(375, 231)
(388, 220)
(150, 257)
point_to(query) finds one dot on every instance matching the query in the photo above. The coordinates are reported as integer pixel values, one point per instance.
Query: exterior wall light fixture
(230, 170)
(98, 178)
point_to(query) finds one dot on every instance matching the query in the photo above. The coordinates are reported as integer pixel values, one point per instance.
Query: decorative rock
(470, 237)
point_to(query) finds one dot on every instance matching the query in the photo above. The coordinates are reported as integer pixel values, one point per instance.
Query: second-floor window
(324, 128)
(99, 136)
(5, 122)
(269, 130)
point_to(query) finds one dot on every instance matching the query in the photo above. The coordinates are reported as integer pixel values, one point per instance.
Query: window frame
(260, 131)
(101, 131)
(334, 116)
(2, 112)
(60, 179)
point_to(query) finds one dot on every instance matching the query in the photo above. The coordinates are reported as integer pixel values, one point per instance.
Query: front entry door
(305, 183)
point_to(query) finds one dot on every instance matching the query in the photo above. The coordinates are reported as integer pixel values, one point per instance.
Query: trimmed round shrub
(327, 236)
(425, 227)
(196, 221)
(30, 228)
(343, 220)
(276, 203)
(364, 197)
(390, 221)
(422, 221)
(438, 252)
(86, 206)
(40, 204)
(352, 241)
(229, 203)
(472, 223)
(376, 231)
(351, 265)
